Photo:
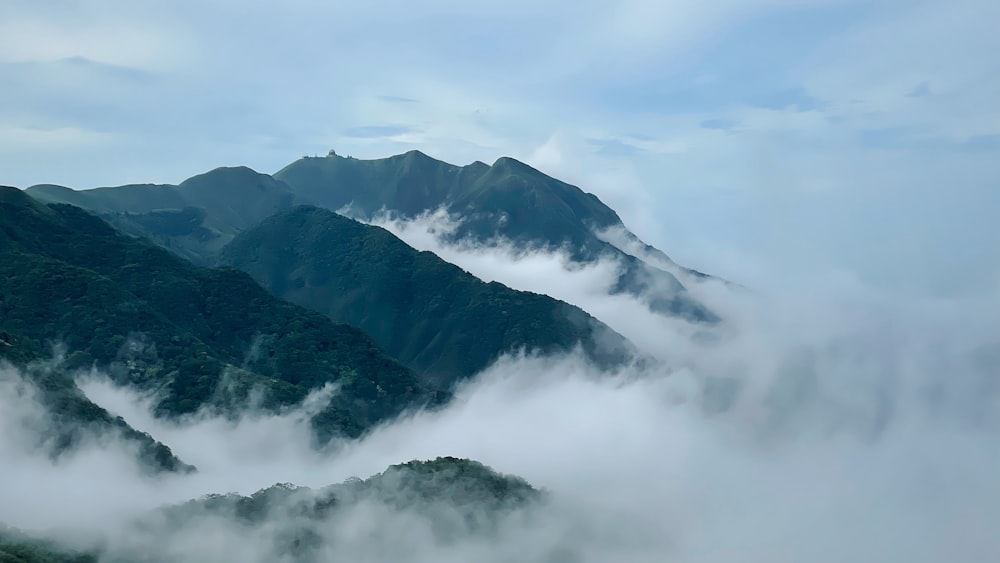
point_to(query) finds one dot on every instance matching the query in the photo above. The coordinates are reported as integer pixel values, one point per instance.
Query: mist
(826, 425)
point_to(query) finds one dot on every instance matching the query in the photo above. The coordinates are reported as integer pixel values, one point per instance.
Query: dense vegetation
(448, 480)
(429, 314)
(16, 547)
(448, 498)
(453, 499)
(156, 321)
(69, 418)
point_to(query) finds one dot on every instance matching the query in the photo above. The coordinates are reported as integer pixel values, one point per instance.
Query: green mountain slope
(459, 483)
(508, 200)
(431, 315)
(194, 219)
(156, 321)
(441, 503)
(17, 547)
(444, 502)
(68, 418)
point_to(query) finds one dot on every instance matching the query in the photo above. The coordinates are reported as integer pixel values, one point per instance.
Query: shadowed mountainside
(200, 336)
(431, 315)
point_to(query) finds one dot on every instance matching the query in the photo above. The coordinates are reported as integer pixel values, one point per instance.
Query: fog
(824, 425)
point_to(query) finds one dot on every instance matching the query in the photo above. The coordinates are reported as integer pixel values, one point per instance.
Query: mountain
(429, 314)
(17, 547)
(508, 200)
(194, 219)
(443, 502)
(67, 419)
(459, 483)
(200, 336)
(534, 207)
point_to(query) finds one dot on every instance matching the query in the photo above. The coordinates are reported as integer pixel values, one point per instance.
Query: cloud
(397, 99)
(377, 131)
(718, 123)
(41, 33)
(921, 90)
(795, 99)
(614, 147)
(12, 138)
(829, 425)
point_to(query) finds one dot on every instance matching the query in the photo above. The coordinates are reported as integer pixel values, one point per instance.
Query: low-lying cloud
(825, 427)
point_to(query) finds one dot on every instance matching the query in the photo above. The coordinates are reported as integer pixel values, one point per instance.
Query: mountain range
(236, 290)
(429, 314)
(506, 202)
(199, 336)
(454, 499)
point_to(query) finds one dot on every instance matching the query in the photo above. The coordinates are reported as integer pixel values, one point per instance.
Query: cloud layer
(832, 425)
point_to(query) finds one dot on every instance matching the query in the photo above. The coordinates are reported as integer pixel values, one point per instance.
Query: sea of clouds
(821, 424)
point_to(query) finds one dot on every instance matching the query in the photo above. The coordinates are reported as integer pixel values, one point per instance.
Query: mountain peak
(10, 192)
(226, 173)
(414, 153)
(515, 166)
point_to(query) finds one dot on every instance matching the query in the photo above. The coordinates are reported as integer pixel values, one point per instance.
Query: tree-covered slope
(194, 219)
(58, 418)
(453, 481)
(442, 503)
(154, 320)
(17, 547)
(431, 315)
(508, 201)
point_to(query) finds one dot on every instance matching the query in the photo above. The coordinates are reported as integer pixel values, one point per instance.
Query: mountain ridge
(177, 216)
(152, 319)
(508, 200)
(431, 315)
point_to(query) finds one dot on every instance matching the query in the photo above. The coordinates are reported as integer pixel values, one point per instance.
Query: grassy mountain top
(508, 201)
(194, 219)
(509, 198)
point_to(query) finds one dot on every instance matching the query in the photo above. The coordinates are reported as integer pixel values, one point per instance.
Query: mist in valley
(824, 425)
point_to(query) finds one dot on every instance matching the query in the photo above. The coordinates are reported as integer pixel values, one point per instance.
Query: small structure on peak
(331, 154)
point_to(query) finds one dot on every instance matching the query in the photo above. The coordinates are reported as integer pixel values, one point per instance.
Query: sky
(759, 140)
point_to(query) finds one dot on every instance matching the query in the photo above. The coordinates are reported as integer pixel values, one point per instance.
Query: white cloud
(862, 432)
(115, 35)
(14, 138)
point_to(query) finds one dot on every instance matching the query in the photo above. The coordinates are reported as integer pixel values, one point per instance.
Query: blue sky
(770, 140)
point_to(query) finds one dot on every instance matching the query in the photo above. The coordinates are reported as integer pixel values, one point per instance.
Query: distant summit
(509, 200)
(506, 201)
(194, 219)
(437, 319)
